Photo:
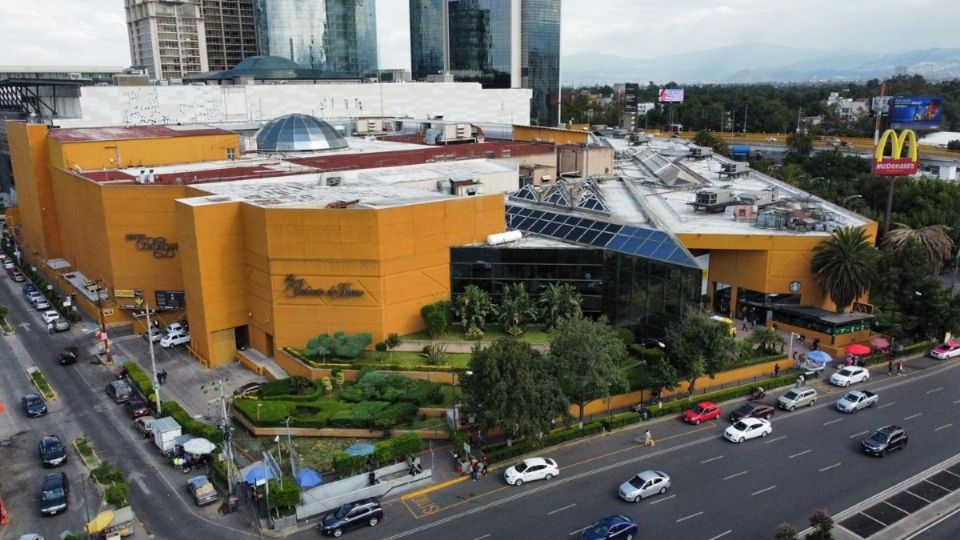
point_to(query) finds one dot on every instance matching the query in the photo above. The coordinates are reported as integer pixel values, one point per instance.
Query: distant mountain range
(758, 62)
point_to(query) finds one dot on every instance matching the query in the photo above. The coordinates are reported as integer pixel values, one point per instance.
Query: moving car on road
(202, 490)
(798, 397)
(33, 405)
(52, 452)
(644, 485)
(748, 428)
(947, 350)
(701, 412)
(884, 440)
(849, 375)
(612, 527)
(530, 469)
(752, 409)
(68, 356)
(349, 516)
(54, 494)
(856, 400)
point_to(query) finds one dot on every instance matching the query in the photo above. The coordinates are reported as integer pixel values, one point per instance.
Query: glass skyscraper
(336, 36)
(499, 43)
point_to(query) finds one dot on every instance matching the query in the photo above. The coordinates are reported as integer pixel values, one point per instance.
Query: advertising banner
(916, 112)
(895, 164)
(671, 95)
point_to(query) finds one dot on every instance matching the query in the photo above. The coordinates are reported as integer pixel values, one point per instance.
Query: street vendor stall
(111, 524)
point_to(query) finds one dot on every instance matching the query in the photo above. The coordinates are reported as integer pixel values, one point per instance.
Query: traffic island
(41, 383)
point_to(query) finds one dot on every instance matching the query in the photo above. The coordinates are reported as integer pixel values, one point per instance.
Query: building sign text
(157, 245)
(296, 286)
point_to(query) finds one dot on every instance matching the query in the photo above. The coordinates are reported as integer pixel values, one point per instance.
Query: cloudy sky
(92, 32)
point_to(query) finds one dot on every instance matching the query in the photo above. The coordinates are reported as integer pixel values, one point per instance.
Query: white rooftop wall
(149, 105)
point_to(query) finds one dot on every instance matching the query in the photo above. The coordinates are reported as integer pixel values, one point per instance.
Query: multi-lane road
(811, 461)
(157, 492)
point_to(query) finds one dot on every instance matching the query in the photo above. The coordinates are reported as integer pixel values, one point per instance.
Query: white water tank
(504, 238)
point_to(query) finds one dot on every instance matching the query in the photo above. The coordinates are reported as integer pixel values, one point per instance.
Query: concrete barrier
(326, 497)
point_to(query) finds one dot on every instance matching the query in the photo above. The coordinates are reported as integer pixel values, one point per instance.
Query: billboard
(671, 95)
(916, 112)
(895, 164)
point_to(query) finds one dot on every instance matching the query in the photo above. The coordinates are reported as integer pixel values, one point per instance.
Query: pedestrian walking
(800, 380)
(899, 367)
(776, 368)
(744, 324)
(890, 367)
(648, 439)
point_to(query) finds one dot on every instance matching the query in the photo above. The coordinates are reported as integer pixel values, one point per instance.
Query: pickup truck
(856, 400)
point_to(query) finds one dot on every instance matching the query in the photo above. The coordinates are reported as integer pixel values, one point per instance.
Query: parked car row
(172, 335)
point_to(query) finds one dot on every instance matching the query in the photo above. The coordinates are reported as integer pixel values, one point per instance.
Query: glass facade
(481, 40)
(336, 36)
(633, 292)
(540, 58)
(428, 34)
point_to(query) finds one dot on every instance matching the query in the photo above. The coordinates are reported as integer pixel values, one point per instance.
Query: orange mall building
(266, 251)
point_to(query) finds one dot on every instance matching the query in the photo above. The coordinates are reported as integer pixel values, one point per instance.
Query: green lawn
(532, 335)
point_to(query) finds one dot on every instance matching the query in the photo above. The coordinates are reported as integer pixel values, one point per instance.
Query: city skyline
(93, 32)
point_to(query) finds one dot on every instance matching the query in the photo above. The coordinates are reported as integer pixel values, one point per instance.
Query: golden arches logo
(896, 164)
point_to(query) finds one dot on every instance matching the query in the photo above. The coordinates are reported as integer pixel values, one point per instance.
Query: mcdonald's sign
(895, 164)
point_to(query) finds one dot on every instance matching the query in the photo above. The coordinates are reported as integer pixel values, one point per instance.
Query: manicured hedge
(274, 413)
(392, 388)
(375, 414)
(291, 386)
(190, 424)
(139, 377)
(384, 452)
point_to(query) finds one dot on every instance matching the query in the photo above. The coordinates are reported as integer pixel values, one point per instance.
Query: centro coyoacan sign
(157, 245)
(297, 286)
(896, 164)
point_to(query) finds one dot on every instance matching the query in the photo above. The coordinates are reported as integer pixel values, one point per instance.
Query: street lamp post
(153, 359)
(456, 400)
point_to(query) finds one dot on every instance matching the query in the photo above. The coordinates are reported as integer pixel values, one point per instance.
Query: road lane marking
(552, 512)
(689, 517)
(762, 491)
(775, 440)
(835, 465)
(741, 473)
(800, 454)
(482, 537)
(885, 405)
(912, 416)
(579, 531)
(937, 389)
(721, 535)
(711, 459)
(855, 435)
(957, 401)
(833, 421)
(658, 501)
(943, 427)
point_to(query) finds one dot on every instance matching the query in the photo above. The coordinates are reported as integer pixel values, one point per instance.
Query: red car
(137, 408)
(701, 412)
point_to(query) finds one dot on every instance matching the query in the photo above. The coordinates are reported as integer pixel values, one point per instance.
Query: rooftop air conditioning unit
(75, 76)
(334, 181)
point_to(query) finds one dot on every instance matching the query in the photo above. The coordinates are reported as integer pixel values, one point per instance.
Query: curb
(431, 489)
(53, 393)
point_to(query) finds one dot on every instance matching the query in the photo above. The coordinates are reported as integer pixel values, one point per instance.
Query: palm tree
(516, 309)
(558, 301)
(843, 266)
(473, 307)
(766, 339)
(935, 241)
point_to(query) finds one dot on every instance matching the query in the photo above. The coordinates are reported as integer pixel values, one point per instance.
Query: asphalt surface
(811, 461)
(157, 492)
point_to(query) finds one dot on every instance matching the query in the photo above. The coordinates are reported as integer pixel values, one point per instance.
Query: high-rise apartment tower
(167, 37)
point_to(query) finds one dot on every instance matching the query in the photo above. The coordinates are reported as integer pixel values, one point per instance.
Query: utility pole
(103, 321)
(293, 465)
(227, 439)
(746, 108)
(153, 359)
(876, 127)
(798, 119)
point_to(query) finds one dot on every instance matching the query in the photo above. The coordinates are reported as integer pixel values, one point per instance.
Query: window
(231, 154)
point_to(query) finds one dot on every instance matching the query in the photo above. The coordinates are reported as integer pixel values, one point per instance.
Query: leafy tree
(661, 374)
(699, 347)
(934, 240)
(765, 339)
(953, 145)
(799, 148)
(512, 386)
(435, 318)
(843, 265)
(392, 342)
(821, 523)
(339, 345)
(285, 498)
(516, 309)
(785, 531)
(473, 307)
(707, 139)
(559, 301)
(590, 359)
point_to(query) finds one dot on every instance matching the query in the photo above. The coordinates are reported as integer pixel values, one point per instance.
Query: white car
(850, 375)
(41, 303)
(747, 428)
(946, 350)
(50, 316)
(531, 469)
(174, 339)
(154, 335)
(644, 485)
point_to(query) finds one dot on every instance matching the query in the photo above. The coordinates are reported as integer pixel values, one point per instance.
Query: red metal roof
(136, 132)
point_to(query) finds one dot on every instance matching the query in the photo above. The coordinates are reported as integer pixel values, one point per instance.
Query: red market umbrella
(858, 349)
(880, 342)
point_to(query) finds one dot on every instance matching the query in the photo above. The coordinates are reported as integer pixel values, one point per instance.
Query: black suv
(884, 440)
(54, 494)
(349, 516)
(752, 410)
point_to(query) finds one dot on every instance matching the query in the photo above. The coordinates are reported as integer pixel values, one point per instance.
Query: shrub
(375, 386)
(346, 465)
(339, 345)
(190, 424)
(291, 386)
(107, 474)
(380, 347)
(118, 494)
(435, 318)
(474, 334)
(384, 451)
